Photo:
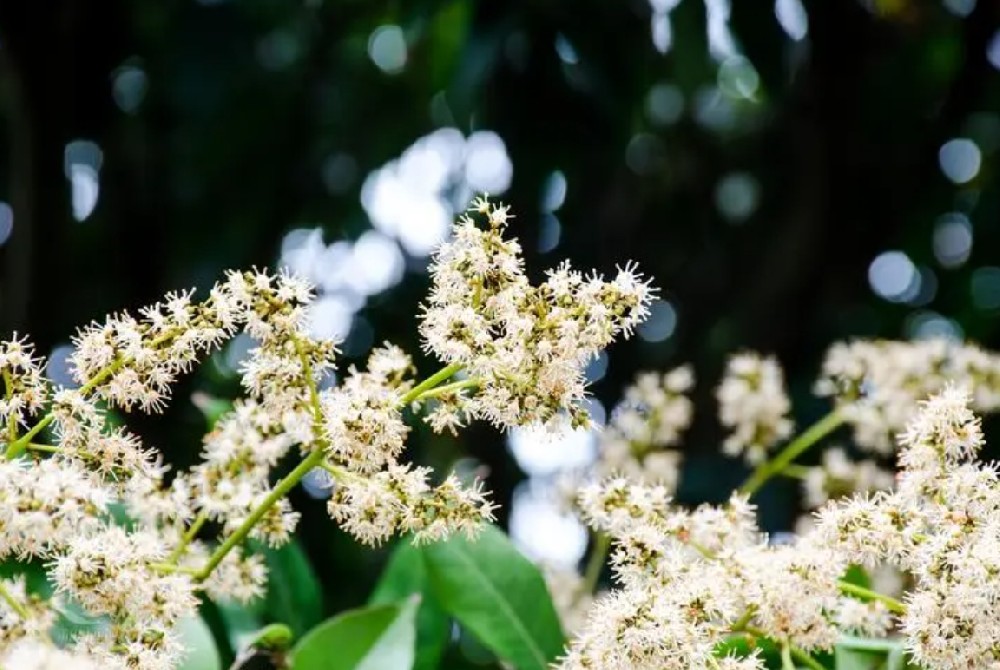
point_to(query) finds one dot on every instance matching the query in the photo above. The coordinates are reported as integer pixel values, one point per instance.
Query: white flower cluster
(878, 384)
(753, 404)
(25, 389)
(521, 349)
(650, 419)
(526, 345)
(942, 526)
(693, 580)
(839, 477)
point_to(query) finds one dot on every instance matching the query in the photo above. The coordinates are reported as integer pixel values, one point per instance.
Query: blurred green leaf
(294, 594)
(380, 637)
(240, 622)
(499, 595)
(405, 575)
(856, 653)
(202, 653)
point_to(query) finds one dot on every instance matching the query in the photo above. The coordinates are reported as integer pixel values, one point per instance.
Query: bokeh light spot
(128, 88)
(893, 276)
(792, 18)
(387, 48)
(660, 324)
(952, 240)
(664, 104)
(960, 160)
(737, 196)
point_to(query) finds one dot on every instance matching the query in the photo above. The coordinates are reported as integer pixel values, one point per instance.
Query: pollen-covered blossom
(109, 572)
(527, 344)
(85, 435)
(46, 506)
(878, 384)
(754, 405)
(25, 390)
(941, 525)
(364, 421)
(677, 604)
(399, 499)
(233, 477)
(691, 579)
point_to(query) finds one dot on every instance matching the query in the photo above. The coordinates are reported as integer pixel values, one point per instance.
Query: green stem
(187, 538)
(46, 448)
(21, 610)
(17, 447)
(796, 471)
(741, 624)
(796, 653)
(429, 383)
(803, 657)
(340, 473)
(786, 657)
(316, 458)
(171, 568)
(891, 603)
(595, 564)
(795, 448)
(282, 489)
(449, 388)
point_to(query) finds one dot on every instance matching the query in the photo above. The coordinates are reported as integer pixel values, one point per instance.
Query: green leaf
(240, 622)
(405, 575)
(380, 637)
(202, 654)
(294, 594)
(497, 594)
(858, 576)
(856, 653)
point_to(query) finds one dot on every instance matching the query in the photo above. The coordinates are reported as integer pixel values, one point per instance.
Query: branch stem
(13, 602)
(861, 592)
(775, 466)
(187, 538)
(429, 383)
(595, 564)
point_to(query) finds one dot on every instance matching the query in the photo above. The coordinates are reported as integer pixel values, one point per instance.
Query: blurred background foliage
(791, 173)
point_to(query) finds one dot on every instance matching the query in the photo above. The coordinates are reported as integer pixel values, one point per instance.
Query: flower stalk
(775, 466)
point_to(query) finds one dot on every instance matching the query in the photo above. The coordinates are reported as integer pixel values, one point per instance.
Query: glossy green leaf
(202, 653)
(497, 594)
(380, 637)
(405, 575)
(294, 594)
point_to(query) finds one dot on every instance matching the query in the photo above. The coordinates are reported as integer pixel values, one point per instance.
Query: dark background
(245, 101)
